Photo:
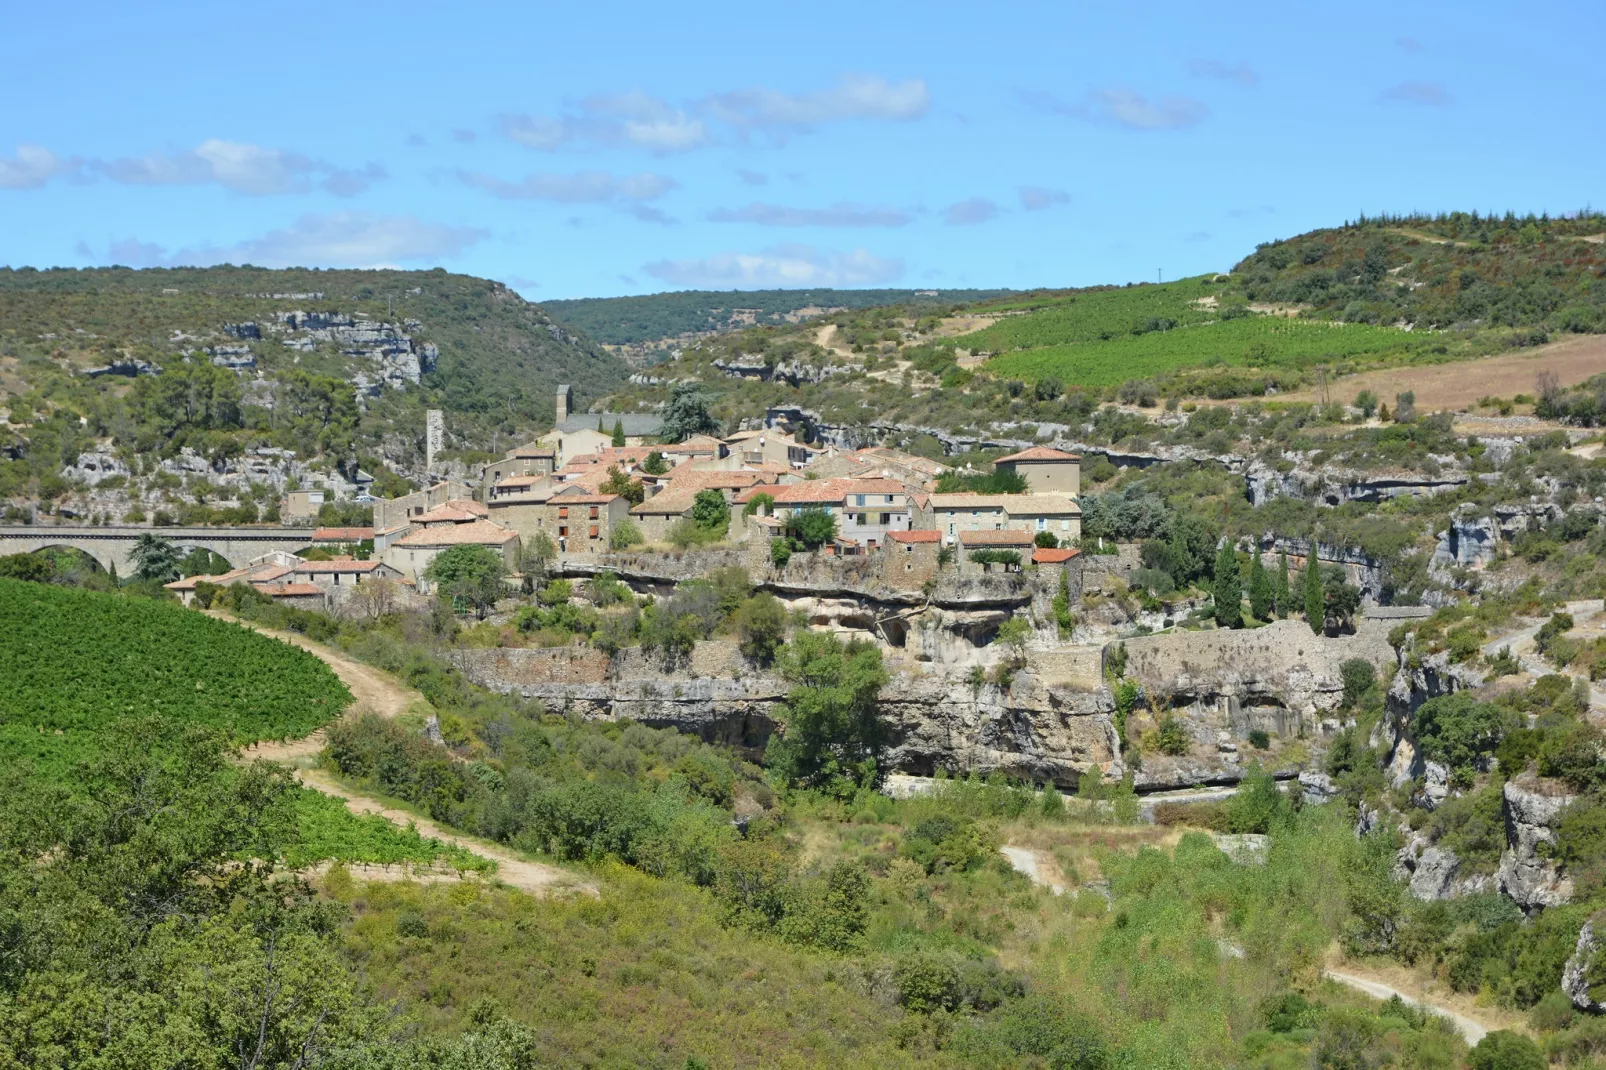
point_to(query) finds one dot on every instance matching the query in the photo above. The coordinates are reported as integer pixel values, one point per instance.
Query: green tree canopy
(471, 574)
(1228, 591)
(155, 558)
(686, 414)
(832, 733)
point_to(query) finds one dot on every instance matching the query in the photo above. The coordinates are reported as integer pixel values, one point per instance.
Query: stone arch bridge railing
(110, 546)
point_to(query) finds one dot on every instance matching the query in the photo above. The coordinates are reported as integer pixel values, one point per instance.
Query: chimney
(565, 403)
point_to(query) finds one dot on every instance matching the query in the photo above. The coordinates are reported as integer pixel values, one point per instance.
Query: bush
(780, 552)
(1259, 738)
(625, 534)
(1456, 730)
(1172, 737)
(1505, 1050)
(761, 625)
(1359, 677)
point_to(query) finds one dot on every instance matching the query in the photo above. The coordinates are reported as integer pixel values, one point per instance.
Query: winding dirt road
(1030, 863)
(374, 691)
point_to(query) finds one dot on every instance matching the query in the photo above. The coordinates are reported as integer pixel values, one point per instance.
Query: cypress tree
(1228, 590)
(618, 432)
(1261, 592)
(1315, 604)
(1283, 596)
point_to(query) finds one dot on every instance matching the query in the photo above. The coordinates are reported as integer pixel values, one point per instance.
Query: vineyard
(74, 662)
(1095, 315)
(1264, 342)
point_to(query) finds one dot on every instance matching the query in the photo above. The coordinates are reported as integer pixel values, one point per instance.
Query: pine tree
(1261, 592)
(1228, 589)
(618, 432)
(1315, 604)
(1282, 595)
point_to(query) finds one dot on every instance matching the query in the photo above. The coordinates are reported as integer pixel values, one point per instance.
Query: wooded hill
(500, 357)
(655, 317)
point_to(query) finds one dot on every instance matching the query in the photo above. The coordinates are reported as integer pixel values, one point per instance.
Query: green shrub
(1505, 1050)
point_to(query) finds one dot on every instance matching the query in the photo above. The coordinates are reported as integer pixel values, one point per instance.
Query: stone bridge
(111, 545)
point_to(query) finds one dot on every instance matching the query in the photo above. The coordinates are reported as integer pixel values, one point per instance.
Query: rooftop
(338, 566)
(342, 534)
(1045, 556)
(636, 424)
(475, 533)
(1039, 453)
(915, 536)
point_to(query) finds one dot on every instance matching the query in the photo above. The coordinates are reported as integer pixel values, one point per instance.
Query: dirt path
(1353, 976)
(1523, 647)
(1374, 983)
(376, 692)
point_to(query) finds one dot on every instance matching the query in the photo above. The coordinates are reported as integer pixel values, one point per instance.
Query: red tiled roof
(338, 566)
(476, 533)
(996, 538)
(1045, 556)
(469, 505)
(342, 534)
(444, 514)
(915, 536)
(834, 490)
(288, 590)
(1039, 453)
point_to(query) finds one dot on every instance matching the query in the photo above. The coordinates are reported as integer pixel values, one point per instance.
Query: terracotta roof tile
(1045, 556)
(288, 590)
(342, 534)
(1039, 453)
(915, 536)
(477, 533)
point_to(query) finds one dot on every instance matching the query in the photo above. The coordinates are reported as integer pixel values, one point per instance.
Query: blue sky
(592, 150)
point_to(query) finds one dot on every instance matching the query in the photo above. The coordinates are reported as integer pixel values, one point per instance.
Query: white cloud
(853, 97)
(1423, 94)
(1241, 73)
(240, 167)
(338, 239)
(837, 215)
(967, 212)
(779, 266)
(1123, 107)
(633, 120)
(32, 166)
(1038, 198)
(581, 187)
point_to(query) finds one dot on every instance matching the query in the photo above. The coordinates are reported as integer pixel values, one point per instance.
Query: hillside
(77, 341)
(648, 327)
(1309, 310)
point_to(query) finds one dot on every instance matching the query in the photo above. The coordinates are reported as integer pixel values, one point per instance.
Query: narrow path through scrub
(375, 691)
(1354, 975)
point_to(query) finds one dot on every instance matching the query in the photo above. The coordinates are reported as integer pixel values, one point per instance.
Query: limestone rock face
(1575, 976)
(1280, 679)
(1318, 787)
(1532, 808)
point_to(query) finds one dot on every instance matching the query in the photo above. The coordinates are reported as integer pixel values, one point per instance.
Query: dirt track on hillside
(376, 692)
(1458, 386)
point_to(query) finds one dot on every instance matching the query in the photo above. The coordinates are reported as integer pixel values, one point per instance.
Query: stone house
(391, 513)
(581, 520)
(441, 529)
(527, 460)
(656, 515)
(1008, 540)
(910, 558)
(1046, 470)
(953, 514)
(342, 574)
(866, 510)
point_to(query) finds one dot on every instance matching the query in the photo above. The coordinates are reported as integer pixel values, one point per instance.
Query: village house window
(889, 499)
(860, 501)
(858, 518)
(886, 518)
(593, 512)
(593, 531)
(1042, 523)
(563, 532)
(563, 512)
(950, 529)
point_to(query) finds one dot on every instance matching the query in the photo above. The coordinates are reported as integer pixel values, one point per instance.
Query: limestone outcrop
(1532, 807)
(1576, 975)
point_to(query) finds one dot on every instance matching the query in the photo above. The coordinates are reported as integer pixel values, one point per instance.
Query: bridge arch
(110, 546)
